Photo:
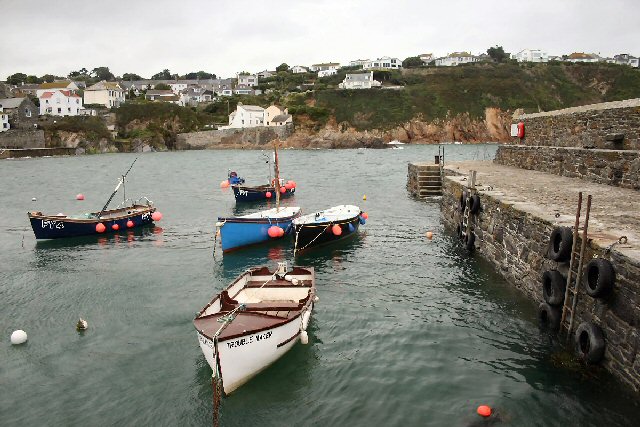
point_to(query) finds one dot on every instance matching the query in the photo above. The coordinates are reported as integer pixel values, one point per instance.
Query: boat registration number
(249, 340)
(243, 192)
(205, 341)
(52, 224)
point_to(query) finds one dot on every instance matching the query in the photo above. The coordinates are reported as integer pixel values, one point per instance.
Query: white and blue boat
(239, 231)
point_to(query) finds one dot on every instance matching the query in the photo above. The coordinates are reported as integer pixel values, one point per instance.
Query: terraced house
(109, 94)
(60, 103)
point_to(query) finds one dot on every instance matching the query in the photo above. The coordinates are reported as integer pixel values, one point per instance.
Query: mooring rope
(295, 246)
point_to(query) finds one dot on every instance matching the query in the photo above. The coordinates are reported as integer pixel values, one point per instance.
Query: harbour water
(407, 332)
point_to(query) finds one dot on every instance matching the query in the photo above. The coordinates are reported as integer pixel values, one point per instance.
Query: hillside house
(384, 63)
(583, 57)
(455, 59)
(326, 66)
(22, 112)
(327, 73)
(4, 120)
(531, 55)
(109, 94)
(249, 80)
(266, 74)
(245, 116)
(626, 59)
(60, 85)
(60, 103)
(426, 58)
(358, 62)
(359, 81)
(276, 116)
(298, 69)
(24, 90)
(162, 95)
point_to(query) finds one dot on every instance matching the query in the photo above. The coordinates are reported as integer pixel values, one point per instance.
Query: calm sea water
(408, 332)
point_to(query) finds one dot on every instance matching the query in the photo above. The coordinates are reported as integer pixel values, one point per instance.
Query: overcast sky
(225, 37)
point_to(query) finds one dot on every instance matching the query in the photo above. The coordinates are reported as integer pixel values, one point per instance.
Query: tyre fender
(553, 287)
(549, 316)
(599, 277)
(475, 204)
(560, 244)
(590, 343)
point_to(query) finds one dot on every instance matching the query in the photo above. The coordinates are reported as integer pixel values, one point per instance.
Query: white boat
(254, 321)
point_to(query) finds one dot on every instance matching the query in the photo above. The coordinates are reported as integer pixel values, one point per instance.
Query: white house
(246, 116)
(60, 103)
(109, 94)
(61, 85)
(298, 69)
(275, 116)
(426, 58)
(327, 73)
(247, 80)
(265, 74)
(625, 59)
(384, 63)
(4, 120)
(359, 81)
(358, 62)
(325, 66)
(583, 57)
(162, 96)
(456, 58)
(531, 55)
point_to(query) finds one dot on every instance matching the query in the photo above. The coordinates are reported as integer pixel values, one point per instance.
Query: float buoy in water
(18, 337)
(82, 325)
(364, 197)
(224, 184)
(130, 224)
(80, 196)
(429, 235)
(100, 228)
(156, 216)
(115, 227)
(33, 199)
(484, 411)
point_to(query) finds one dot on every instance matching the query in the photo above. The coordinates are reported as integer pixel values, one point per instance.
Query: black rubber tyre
(475, 204)
(599, 277)
(590, 343)
(549, 316)
(553, 287)
(460, 231)
(560, 244)
(469, 241)
(462, 201)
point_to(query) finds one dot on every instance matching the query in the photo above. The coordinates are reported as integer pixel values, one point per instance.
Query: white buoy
(33, 199)
(18, 337)
(304, 337)
(82, 325)
(316, 298)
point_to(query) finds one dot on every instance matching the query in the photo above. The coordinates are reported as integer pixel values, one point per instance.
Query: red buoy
(100, 228)
(274, 231)
(130, 224)
(283, 190)
(293, 184)
(80, 196)
(115, 227)
(484, 411)
(281, 231)
(156, 216)
(365, 215)
(268, 194)
(288, 185)
(336, 229)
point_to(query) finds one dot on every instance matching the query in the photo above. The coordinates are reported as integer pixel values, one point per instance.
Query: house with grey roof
(276, 116)
(359, 81)
(456, 58)
(22, 112)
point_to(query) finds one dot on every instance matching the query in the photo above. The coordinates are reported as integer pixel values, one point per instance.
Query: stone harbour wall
(516, 242)
(619, 168)
(18, 138)
(612, 125)
(223, 138)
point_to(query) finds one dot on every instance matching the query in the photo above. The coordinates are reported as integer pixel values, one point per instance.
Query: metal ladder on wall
(466, 214)
(574, 276)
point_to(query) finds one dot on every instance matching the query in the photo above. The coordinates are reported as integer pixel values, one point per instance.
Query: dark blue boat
(57, 226)
(260, 193)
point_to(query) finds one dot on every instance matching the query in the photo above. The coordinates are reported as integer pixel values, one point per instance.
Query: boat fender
(590, 343)
(219, 224)
(599, 277)
(469, 241)
(560, 244)
(549, 316)
(475, 204)
(316, 298)
(295, 281)
(18, 337)
(304, 337)
(305, 319)
(553, 287)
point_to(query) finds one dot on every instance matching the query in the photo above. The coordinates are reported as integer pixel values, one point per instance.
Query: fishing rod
(121, 181)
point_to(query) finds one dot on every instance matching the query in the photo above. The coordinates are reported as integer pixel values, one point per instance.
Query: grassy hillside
(434, 92)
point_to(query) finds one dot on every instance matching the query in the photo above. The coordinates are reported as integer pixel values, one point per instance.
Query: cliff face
(494, 128)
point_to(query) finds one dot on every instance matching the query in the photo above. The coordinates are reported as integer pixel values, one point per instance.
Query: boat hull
(308, 236)
(56, 227)
(258, 194)
(236, 233)
(243, 358)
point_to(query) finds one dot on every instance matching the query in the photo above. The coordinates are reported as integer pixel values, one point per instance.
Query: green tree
(199, 75)
(412, 62)
(162, 86)
(131, 76)
(102, 73)
(162, 75)
(282, 67)
(497, 53)
(33, 79)
(50, 78)
(17, 78)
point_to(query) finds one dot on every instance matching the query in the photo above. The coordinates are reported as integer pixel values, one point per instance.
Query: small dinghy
(326, 226)
(239, 231)
(131, 213)
(255, 321)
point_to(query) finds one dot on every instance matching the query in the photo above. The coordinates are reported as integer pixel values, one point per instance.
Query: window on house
(69, 109)
(27, 112)
(58, 101)
(59, 110)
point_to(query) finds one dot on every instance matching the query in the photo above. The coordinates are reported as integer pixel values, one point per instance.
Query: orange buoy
(100, 227)
(80, 196)
(130, 224)
(224, 184)
(336, 229)
(365, 215)
(268, 194)
(115, 227)
(429, 235)
(156, 216)
(274, 231)
(484, 411)
(283, 190)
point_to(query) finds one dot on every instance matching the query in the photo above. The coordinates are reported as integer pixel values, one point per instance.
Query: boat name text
(249, 340)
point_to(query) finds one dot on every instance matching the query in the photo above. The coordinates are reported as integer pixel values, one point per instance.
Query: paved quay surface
(615, 212)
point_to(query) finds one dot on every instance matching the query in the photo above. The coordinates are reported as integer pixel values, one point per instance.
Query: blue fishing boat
(129, 215)
(240, 231)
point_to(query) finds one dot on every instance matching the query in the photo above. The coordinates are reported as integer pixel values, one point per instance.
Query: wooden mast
(276, 169)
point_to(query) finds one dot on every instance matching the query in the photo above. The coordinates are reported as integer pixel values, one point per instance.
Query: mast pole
(276, 169)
